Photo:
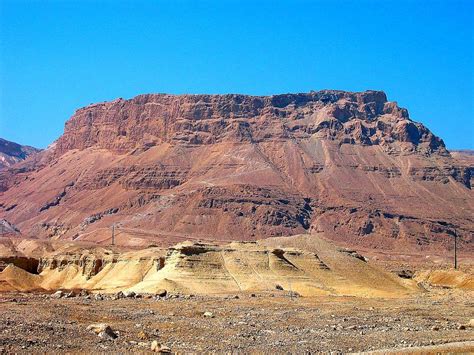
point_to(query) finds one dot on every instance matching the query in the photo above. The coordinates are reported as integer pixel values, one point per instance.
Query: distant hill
(12, 153)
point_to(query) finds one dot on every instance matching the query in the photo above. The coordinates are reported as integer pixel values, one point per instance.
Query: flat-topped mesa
(365, 118)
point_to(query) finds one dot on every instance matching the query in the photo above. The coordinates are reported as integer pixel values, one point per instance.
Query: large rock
(103, 330)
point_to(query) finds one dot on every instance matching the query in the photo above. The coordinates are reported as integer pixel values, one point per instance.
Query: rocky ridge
(365, 118)
(12, 153)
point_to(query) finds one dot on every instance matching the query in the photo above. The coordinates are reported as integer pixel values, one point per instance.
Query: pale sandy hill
(14, 278)
(446, 278)
(197, 268)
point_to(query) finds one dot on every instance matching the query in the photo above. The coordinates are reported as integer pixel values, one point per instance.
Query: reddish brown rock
(350, 166)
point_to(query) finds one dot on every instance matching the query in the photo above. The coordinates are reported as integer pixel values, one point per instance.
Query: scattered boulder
(155, 346)
(279, 287)
(471, 323)
(405, 274)
(158, 348)
(58, 294)
(129, 294)
(103, 330)
(161, 293)
(208, 314)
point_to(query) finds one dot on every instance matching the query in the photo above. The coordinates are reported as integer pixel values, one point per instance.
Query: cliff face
(350, 166)
(351, 118)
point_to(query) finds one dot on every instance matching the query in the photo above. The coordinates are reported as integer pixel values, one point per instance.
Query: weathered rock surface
(351, 166)
(201, 268)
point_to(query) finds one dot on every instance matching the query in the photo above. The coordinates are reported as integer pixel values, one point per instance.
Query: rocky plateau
(351, 167)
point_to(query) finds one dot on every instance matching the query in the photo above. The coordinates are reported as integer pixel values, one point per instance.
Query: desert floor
(259, 323)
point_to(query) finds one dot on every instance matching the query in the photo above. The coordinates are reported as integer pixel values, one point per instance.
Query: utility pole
(113, 234)
(455, 249)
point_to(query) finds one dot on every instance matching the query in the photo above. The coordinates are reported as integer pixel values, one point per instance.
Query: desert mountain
(352, 167)
(12, 153)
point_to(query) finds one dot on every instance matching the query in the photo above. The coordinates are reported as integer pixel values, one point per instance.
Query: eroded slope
(196, 268)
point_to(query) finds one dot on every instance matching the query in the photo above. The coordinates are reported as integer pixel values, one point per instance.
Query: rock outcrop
(164, 168)
(147, 120)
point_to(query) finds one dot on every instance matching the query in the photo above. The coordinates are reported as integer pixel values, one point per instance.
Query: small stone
(208, 314)
(142, 335)
(435, 328)
(155, 346)
(165, 350)
(279, 287)
(461, 327)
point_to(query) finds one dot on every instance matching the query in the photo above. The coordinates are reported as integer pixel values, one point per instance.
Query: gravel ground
(263, 323)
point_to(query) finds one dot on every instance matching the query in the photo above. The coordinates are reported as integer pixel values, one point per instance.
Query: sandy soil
(264, 323)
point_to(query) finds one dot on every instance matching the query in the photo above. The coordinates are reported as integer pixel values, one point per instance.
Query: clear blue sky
(57, 56)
